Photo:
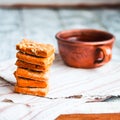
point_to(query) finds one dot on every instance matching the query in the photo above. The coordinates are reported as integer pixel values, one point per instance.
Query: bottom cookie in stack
(32, 91)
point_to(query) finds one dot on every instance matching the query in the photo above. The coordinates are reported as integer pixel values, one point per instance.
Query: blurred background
(63, 2)
(40, 20)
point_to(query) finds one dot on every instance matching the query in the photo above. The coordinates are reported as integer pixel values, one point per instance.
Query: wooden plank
(78, 5)
(60, 3)
(107, 116)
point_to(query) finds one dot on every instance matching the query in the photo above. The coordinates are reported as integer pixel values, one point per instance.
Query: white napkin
(66, 87)
(67, 81)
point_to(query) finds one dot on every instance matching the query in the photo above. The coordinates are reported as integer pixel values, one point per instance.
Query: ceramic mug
(85, 48)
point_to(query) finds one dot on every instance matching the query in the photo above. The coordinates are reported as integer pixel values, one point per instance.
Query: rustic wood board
(112, 116)
(60, 3)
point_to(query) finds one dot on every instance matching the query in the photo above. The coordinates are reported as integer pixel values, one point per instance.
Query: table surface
(42, 25)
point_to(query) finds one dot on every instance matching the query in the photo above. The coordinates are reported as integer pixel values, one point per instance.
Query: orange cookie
(23, 82)
(35, 48)
(32, 91)
(34, 75)
(35, 60)
(30, 66)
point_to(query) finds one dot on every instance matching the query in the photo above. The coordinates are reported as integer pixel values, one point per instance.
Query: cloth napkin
(71, 91)
(67, 81)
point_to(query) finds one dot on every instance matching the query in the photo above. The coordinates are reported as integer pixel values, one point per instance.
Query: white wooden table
(43, 24)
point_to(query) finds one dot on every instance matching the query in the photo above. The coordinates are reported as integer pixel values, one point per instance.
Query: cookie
(23, 82)
(35, 60)
(31, 91)
(34, 75)
(35, 48)
(30, 66)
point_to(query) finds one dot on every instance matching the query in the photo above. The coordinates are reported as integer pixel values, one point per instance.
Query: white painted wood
(42, 25)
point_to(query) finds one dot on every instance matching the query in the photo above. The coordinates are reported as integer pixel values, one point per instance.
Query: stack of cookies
(33, 64)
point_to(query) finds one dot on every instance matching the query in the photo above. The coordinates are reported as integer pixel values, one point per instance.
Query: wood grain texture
(58, 1)
(60, 4)
(63, 5)
(112, 116)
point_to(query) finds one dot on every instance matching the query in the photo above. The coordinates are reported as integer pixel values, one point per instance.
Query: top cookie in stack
(33, 62)
(35, 48)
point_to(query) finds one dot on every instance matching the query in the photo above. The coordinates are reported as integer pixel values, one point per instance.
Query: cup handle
(102, 55)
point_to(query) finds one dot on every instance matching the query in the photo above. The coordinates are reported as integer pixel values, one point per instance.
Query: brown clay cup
(85, 48)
